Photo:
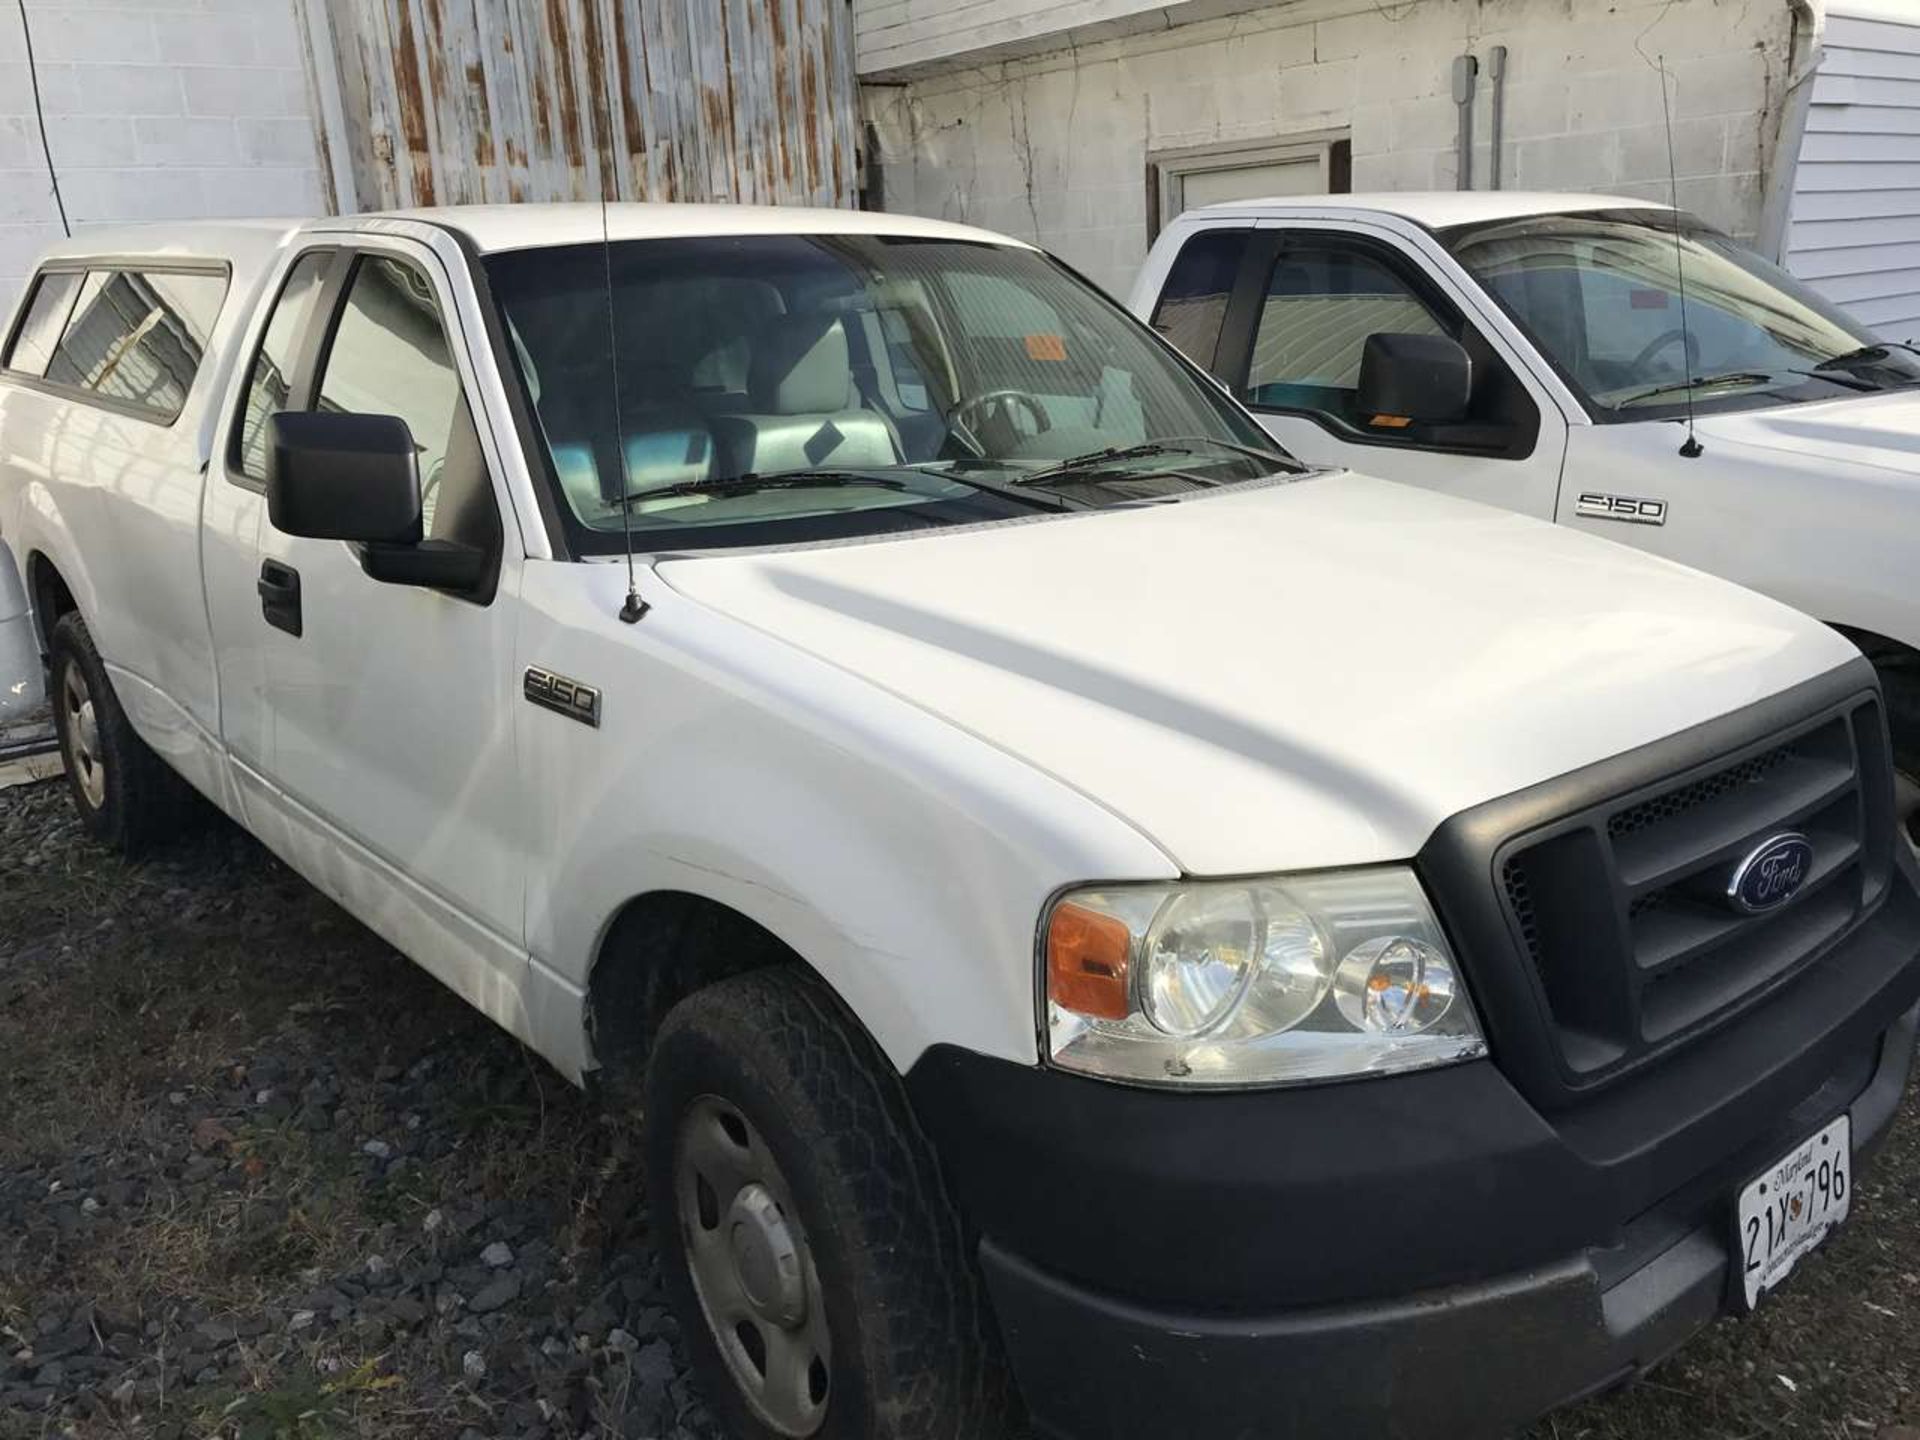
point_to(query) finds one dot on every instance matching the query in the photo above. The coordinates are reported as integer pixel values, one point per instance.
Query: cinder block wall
(155, 110)
(1054, 147)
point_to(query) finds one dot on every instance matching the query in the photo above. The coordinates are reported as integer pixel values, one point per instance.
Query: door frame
(1431, 282)
(1167, 169)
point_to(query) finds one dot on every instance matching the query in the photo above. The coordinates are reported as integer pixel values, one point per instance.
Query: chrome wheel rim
(82, 726)
(753, 1271)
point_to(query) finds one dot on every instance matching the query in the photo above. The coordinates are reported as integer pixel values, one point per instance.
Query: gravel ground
(260, 1177)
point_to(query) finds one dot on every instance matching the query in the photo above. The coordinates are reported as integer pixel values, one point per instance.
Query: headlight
(1254, 982)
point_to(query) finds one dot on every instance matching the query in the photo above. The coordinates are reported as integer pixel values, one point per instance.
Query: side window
(46, 317)
(138, 336)
(1193, 303)
(1324, 299)
(390, 356)
(270, 381)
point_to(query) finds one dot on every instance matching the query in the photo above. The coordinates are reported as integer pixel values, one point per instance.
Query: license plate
(1794, 1205)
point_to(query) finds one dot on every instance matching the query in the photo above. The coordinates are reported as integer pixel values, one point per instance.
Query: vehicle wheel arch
(659, 948)
(50, 594)
(1873, 645)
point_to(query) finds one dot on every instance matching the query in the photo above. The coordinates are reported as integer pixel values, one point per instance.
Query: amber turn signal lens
(1087, 962)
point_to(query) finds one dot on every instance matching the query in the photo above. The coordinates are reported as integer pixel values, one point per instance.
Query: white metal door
(391, 712)
(1342, 283)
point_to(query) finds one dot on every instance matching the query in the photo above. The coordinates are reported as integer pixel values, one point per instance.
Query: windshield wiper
(785, 480)
(1171, 445)
(1705, 382)
(1867, 355)
(829, 479)
(1741, 377)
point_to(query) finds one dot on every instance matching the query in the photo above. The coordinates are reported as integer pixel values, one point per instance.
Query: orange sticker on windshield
(1046, 347)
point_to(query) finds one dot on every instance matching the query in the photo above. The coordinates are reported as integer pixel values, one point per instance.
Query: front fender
(907, 862)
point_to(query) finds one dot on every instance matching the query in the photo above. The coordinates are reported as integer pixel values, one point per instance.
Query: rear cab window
(46, 316)
(131, 339)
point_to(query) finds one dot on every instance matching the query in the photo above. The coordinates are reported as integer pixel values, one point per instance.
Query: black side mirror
(1413, 379)
(437, 564)
(332, 476)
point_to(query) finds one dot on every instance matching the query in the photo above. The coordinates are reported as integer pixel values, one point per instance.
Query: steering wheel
(971, 412)
(1689, 344)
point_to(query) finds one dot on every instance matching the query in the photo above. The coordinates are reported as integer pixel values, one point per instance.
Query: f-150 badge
(563, 696)
(1634, 509)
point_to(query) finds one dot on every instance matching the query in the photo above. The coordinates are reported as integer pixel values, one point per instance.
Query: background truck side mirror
(1413, 379)
(332, 476)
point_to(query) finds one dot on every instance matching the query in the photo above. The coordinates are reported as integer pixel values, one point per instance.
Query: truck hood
(1281, 676)
(1878, 430)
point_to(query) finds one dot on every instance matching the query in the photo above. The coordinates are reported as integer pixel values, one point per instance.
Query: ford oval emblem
(1772, 873)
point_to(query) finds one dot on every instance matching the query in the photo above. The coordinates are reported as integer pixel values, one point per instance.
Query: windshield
(781, 388)
(1599, 293)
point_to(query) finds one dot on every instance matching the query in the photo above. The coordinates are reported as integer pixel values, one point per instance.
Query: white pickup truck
(1102, 922)
(1543, 352)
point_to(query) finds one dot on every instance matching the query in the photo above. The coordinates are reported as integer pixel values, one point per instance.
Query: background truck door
(1281, 310)
(391, 707)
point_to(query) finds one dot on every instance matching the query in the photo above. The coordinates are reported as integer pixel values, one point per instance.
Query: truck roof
(501, 227)
(232, 240)
(1436, 209)
(524, 227)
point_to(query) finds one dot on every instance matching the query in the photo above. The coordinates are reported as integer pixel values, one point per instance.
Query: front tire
(126, 795)
(1900, 683)
(819, 1270)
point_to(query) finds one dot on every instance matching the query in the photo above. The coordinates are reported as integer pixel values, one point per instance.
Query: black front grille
(1621, 908)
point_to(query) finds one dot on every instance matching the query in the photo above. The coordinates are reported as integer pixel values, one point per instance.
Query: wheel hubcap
(82, 729)
(752, 1268)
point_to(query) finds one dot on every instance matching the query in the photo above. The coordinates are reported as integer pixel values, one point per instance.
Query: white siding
(155, 110)
(891, 35)
(1854, 228)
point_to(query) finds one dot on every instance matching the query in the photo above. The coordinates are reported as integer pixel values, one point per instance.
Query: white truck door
(390, 764)
(1305, 295)
(235, 504)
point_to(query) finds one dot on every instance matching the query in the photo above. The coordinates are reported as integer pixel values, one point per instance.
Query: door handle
(279, 590)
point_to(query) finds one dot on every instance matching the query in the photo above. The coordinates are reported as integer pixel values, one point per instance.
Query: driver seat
(804, 408)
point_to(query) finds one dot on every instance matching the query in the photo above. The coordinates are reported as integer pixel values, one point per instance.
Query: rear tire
(127, 796)
(821, 1277)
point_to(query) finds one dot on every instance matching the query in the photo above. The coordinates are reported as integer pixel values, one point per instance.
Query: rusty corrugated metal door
(463, 101)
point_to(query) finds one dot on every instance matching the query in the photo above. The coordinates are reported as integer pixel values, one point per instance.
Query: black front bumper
(1425, 1255)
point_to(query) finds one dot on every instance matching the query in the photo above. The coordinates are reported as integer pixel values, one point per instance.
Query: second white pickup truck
(1544, 352)
(1099, 920)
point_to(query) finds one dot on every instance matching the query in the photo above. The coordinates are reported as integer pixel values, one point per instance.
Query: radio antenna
(634, 607)
(1690, 448)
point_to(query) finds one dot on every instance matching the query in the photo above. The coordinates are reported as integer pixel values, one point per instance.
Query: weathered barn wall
(465, 101)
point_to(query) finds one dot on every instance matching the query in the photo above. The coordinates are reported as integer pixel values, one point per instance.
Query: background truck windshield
(779, 388)
(1599, 293)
